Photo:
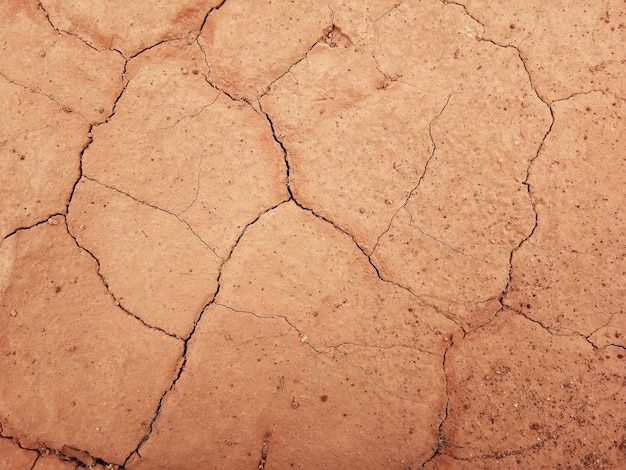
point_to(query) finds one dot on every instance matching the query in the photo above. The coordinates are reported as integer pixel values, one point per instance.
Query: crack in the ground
(323, 38)
(527, 177)
(549, 330)
(183, 360)
(466, 11)
(61, 106)
(179, 372)
(305, 340)
(373, 52)
(104, 282)
(303, 337)
(421, 177)
(195, 198)
(453, 248)
(187, 116)
(532, 160)
(66, 454)
(441, 435)
(49, 219)
(152, 206)
(244, 99)
(62, 31)
(345, 232)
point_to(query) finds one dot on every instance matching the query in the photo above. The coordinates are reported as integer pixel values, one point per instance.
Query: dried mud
(301, 235)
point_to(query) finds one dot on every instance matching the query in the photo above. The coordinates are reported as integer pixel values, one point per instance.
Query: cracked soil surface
(344, 234)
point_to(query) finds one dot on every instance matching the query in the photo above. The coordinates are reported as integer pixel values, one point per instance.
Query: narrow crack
(179, 372)
(528, 168)
(466, 11)
(442, 441)
(51, 98)
(373, 53)
(324, 38)
(160, 209)
(187, 116)
(108, 289)
(422, 175)
(195, 198)
(303, 337)
(530, 163)
(453, 248)
(552, 331)
(62, 31)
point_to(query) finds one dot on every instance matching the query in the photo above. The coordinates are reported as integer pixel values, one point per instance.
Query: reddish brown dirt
(275, 235)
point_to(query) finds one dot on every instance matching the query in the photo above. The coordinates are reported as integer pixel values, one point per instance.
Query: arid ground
(318, 235)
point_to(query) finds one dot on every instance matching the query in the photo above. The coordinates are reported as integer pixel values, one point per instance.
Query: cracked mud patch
(268, 235)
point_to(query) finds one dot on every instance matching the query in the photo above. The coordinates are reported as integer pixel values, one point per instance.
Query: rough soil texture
(273, 235)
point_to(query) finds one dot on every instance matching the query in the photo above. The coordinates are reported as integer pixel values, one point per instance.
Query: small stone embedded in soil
(80, 455)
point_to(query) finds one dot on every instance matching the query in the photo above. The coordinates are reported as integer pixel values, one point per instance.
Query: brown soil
(273, 235)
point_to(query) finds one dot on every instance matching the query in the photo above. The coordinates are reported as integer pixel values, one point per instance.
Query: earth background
(343, 234)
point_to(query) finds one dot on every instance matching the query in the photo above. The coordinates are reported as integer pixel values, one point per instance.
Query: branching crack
(152, 206)
(108, 289)
(421, 177)
(321, 217)
(179, 373)
(453, 248)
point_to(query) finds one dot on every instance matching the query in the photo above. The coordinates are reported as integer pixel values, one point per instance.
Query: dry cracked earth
(342, 234)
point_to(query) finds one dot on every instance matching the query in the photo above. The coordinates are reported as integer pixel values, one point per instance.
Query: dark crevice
(206, 17)
(527, 177)
(48, 219)
(442, 441)
(80, 167)
(179, 373)
(319, 216)
(125, 81)
(530, 163)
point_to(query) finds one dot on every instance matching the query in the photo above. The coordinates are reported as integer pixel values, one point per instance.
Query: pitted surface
(302, 235)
